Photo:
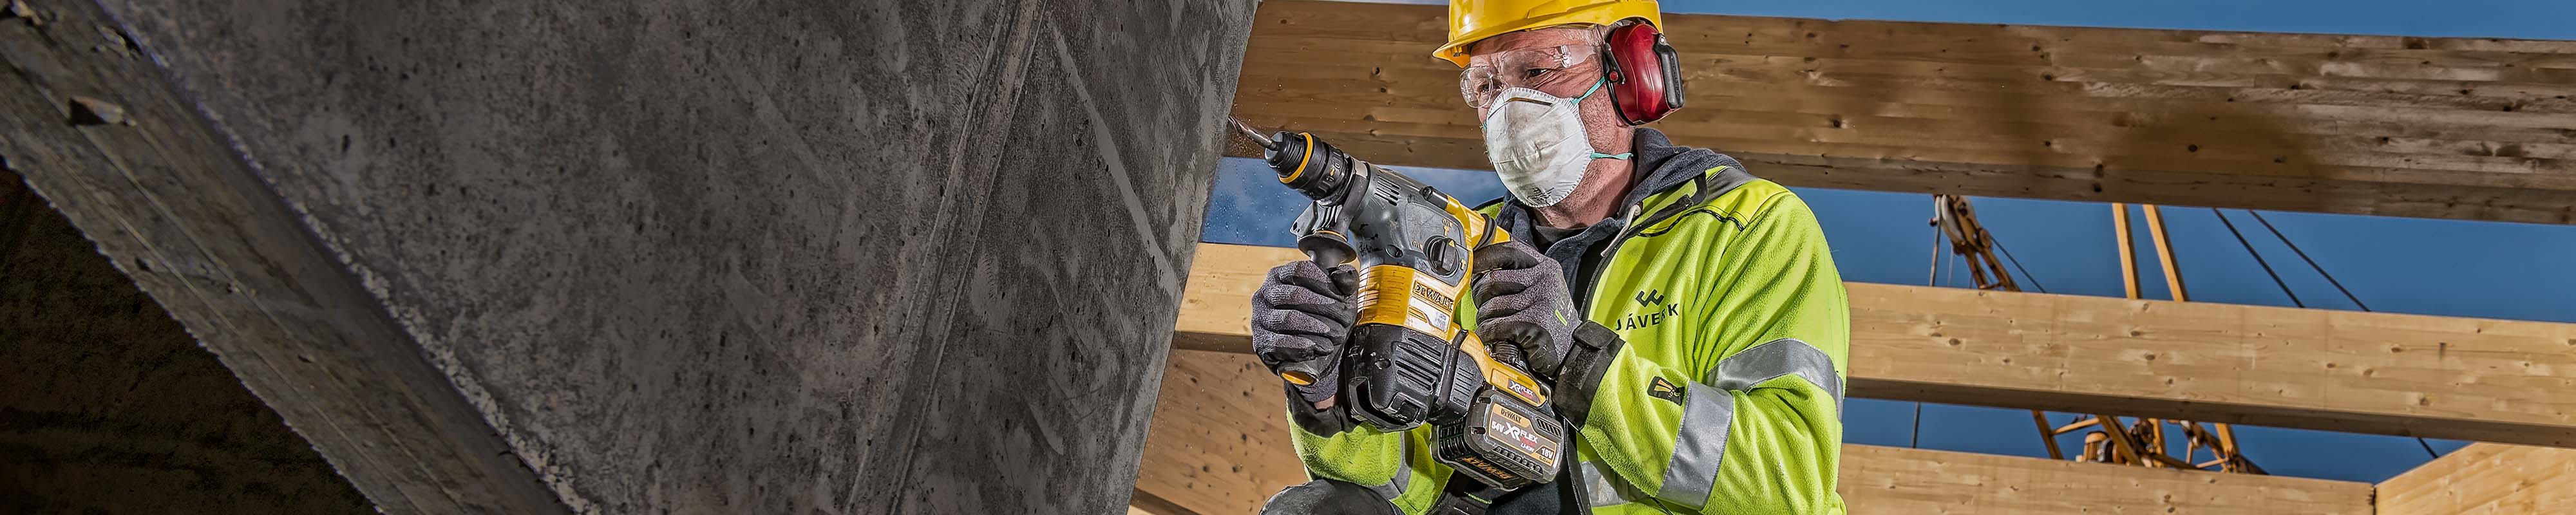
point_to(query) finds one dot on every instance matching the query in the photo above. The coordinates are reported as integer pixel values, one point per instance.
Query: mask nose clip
(1490, 110)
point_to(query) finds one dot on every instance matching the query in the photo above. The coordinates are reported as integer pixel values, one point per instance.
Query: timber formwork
(2462, 128)
(1220, 440)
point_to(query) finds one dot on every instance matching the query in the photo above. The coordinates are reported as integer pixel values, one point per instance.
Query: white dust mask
(1537, 144)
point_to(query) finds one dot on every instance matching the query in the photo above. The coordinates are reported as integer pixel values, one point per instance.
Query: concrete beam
(2409, 375)
(109, 406)
(1220, 445)
(683, 255)
(2471, 129)
(100, 133)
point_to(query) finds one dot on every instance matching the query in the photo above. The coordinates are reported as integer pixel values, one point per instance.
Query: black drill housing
(1407, 362)
(1395, 377)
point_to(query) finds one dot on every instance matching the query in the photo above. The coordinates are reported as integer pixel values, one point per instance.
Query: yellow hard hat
(1474, 20)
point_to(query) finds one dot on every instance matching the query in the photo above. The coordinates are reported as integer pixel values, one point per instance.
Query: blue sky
(2435, 267)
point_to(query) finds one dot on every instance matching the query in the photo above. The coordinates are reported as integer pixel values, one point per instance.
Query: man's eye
(1536, 72)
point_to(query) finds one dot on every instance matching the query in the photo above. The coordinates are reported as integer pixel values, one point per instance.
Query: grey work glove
(1328, 497)
(1303, 312)
(1522, 301)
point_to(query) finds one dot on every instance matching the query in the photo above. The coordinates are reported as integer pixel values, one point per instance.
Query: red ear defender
(1645, 74)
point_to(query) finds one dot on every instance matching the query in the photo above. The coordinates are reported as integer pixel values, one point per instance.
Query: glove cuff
(1324, 422)
(1595, 347)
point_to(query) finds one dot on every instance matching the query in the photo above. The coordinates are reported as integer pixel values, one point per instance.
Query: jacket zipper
(1593, 269)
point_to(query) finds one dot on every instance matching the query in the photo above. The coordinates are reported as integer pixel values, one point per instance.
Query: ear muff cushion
(1644, 68)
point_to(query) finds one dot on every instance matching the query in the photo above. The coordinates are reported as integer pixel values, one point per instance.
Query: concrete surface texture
(108, 406)
(685, 255)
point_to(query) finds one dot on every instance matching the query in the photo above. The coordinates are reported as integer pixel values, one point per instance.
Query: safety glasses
(1524, 68)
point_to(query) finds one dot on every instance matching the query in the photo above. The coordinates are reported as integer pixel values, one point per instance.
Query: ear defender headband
(1644, 73)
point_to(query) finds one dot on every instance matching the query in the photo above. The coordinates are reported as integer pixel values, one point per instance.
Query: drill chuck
(1310, 166)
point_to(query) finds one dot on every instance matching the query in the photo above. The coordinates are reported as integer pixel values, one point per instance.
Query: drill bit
(1257, 137)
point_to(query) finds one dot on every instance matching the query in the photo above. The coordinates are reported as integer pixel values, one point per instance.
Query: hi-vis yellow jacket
(1726, 396)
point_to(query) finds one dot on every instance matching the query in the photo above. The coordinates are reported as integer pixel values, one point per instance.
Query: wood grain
(2486, 479)
(1219, 437)
(2412, 375)
(1899, 480)
(2476, 129)
(1222, 408)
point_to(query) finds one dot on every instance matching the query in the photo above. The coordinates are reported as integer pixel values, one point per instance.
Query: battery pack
(1503, 442)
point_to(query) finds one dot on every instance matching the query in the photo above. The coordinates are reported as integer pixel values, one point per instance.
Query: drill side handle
(1328, 248)
(1345, 279)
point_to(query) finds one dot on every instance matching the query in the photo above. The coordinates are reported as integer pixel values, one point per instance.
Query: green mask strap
(1596, 86)
(1578, 100)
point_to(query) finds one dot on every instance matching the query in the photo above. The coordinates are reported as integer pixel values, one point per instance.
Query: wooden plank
(1218, 442)
(1146, 503)
(2477, 129)
(1899, 480)
(2486, 479)
(2413, 375)
(1874, 479)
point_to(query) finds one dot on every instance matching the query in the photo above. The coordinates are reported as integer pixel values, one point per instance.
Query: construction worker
(1687, 314)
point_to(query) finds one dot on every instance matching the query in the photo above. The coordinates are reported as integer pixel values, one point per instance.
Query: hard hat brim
(1606, 13)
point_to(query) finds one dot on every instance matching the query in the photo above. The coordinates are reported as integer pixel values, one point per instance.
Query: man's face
(1561, 61)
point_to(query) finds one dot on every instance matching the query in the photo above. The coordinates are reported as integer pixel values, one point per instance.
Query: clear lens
(1527, 68)
(1477, 85)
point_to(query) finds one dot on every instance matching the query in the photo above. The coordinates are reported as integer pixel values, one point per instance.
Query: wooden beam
(1219, 444)
(2485, 479)
(1146, 503)
(1899, 480)
(2475, 129)
(2413, 375)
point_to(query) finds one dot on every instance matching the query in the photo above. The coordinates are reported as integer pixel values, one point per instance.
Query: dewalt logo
(1435, 297)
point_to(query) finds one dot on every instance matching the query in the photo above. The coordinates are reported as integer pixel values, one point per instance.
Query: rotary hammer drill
(1408, 361)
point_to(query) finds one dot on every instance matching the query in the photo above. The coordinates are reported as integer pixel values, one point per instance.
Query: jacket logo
(1662, 389)
(1652, 315)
